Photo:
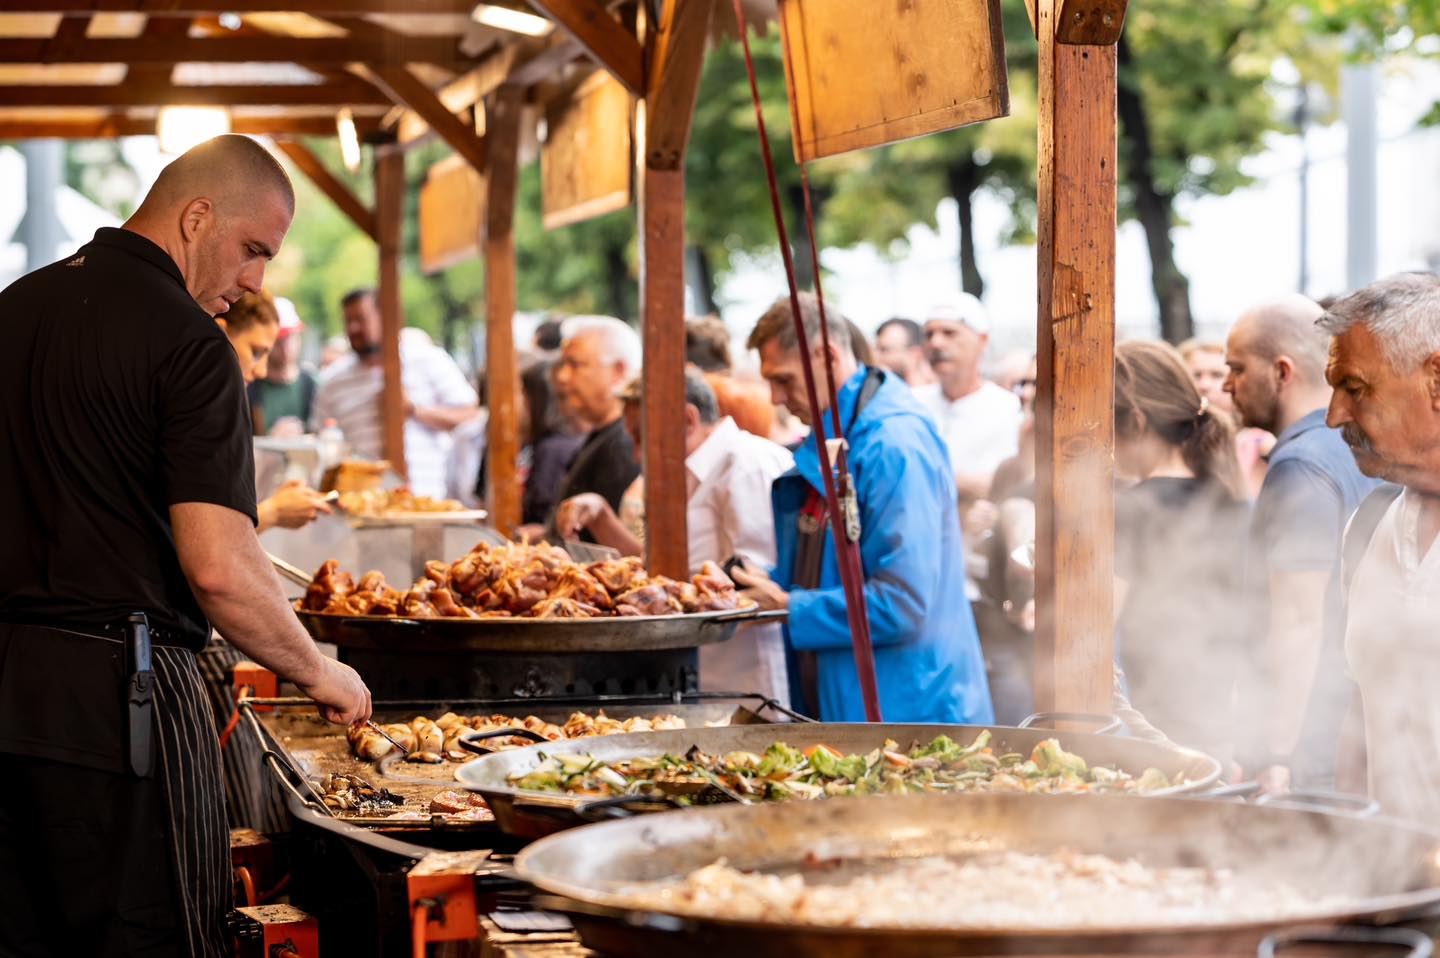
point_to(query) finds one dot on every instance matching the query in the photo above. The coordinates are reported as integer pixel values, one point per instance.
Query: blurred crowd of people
(1235, 482)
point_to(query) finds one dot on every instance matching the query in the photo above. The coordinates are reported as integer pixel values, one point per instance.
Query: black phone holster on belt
(139, 695)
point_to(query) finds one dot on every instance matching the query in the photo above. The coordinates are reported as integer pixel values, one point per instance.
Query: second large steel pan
(533, 814)
(646, 633)
(1379, 870)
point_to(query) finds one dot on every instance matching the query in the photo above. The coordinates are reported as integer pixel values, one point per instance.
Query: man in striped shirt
(437, 396)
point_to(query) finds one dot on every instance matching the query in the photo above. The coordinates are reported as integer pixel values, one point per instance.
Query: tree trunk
(700, 277)
(1153, 208)
(963, 177)
(618, 283)
(799, 238)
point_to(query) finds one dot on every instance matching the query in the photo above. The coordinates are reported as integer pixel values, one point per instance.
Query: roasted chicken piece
(575, 583)
(618, 575)
(372, 581)
(646, 600)
(328, 584)
(563, 609)
(444, 602)
(716, 590)
(438, 572)
(417, 604)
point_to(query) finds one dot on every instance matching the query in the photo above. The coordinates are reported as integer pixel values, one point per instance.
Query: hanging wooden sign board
(864, 73)
(586, 162)
(452, 204)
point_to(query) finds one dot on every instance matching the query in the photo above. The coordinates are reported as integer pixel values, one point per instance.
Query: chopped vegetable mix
(784, 773)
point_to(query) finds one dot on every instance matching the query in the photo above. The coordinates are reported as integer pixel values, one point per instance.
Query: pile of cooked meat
(518, 579)
(435, 741)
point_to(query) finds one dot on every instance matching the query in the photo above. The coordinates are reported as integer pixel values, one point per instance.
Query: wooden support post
(502, 125)
(328, 183)
(675, 54)
(1075, 421)
(389, 217)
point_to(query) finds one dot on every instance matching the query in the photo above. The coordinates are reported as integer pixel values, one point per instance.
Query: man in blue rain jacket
(927, 653)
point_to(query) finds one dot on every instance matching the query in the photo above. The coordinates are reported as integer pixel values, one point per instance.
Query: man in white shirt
(437, 396)
(728, 474)
(979, 421)
(1385, 371)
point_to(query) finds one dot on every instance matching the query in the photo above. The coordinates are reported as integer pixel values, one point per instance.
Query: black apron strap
(189, 762)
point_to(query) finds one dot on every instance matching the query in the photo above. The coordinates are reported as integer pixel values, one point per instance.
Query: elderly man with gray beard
(1385, 370)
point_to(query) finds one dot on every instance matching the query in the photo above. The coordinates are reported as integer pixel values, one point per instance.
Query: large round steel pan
(648, 633)
(533, 814)
(1385, 870)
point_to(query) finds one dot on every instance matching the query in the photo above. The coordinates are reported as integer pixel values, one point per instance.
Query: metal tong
(386, 736)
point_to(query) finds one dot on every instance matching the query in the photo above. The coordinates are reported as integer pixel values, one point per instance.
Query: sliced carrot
(812, 749)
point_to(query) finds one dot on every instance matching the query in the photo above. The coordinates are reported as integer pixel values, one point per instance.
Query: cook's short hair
(620, 342)
(778, 324)
(1402, 312)
(699, 394)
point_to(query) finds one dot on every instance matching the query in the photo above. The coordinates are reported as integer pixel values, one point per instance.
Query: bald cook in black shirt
(128, 504)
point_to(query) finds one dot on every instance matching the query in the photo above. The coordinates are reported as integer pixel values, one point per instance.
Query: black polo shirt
(605, 464)
(119, 396)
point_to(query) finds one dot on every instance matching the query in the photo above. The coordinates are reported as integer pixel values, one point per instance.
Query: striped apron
(188, 760)
(252, 800)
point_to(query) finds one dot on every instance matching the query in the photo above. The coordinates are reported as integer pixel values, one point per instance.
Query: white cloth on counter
(728, 513)
(981, 430)
(1392, 646)
(350, 393)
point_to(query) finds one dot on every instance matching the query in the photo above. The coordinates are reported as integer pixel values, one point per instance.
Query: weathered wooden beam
(355, 93)
(502, 133)
(328, 183)
(188, 8)
(241, 49)
(1090, 21)
(389, 220)
(101, 128)
(673, 81)
(674, 54)
(601, 37)
(1075, 402)
(404, 88)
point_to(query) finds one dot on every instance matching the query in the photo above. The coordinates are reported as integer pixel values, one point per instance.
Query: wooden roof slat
(232, 50)
(113, 126)
(403, 87)
(166, 94)
(187, 8)
(602, 37)
(328, 183)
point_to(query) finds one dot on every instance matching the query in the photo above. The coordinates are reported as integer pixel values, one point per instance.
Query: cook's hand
(579, 512)
(760, 588)
(293, 505)
(340, 693)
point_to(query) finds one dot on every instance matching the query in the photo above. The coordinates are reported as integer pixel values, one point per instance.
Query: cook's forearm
(608, 530)
(259, 622)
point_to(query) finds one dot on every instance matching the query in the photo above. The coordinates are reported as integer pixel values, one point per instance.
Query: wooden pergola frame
(372, 68)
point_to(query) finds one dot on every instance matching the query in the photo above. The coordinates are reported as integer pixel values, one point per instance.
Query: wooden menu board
(864, 73)
(452, 203)
(586, 163)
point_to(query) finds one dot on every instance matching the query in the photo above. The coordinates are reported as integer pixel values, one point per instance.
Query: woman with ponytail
(1179, 548)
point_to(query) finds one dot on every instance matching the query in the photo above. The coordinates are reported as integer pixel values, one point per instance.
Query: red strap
(852, 576)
